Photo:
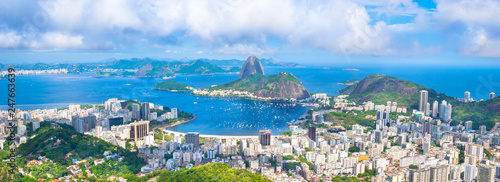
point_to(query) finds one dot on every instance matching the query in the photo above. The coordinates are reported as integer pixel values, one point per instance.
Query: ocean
(235, 116)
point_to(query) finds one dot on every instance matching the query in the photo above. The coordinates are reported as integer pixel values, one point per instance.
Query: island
(350, 69)
(349, 82)
(173, 86)
(253, 84)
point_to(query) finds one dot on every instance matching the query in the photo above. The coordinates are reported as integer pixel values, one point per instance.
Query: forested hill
(381, 88)
(65, 146)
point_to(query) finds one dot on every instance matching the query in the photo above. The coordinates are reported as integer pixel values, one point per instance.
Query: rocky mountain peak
(252, 65)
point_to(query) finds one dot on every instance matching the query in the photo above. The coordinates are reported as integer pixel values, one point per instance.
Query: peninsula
(252, 83)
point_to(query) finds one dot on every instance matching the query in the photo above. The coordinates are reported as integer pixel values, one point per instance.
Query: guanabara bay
(284, 91)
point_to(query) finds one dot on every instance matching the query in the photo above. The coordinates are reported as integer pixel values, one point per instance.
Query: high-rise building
(89, 122)
(426, 146)
(442, 106)
(445, 111)
(476, 150)
(468, 125)
(417, 175)
(470, 172)
(382, 115)
(435, 107)
(193, 138)
(145, 110)
(427, 109)
(486, 173)
(136, 111)
(108, 105)
(492, 95)
(423, 100)
(74, 108)
(174, 112)
(139, 129)
(79, 125)
(379, 135)
(36, 125)
(312, 133)
(73, 120)
(467, 96)
(482, 129)
(426, 127)
(440, 173)
(265, 138)
(115, 121)
(447, 117)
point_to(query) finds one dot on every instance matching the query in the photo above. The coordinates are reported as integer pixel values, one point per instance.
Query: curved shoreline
(176, 133)
(164, 126)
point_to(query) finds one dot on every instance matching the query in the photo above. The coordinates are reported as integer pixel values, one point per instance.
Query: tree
(354, 149)
(307, 149)
(413, 166)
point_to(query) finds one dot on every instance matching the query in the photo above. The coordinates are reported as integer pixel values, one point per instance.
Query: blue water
(234, 116)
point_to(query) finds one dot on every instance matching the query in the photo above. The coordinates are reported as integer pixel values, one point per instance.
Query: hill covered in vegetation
(174, 86)
(65, 146)
(381, 88)
(148, 67)
(211, 172)
(280, 86)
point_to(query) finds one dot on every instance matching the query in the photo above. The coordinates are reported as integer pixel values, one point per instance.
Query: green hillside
(211, 172)
(200, 67)
(73, 145)
(282, 86)
(481, 113)
(381, 88)
(170, 85)
(148, 67)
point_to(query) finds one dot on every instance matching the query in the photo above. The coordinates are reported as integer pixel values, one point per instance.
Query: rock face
(251, 66)
(283, 89)
(144, 70)
(278, 86)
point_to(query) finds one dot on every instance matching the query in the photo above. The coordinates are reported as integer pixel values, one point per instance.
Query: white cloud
(479, 12)
(353, 27)
(58, 41)
(245, 49)
(481, 35)
(329, 25)
(477, 42)
(9, 40)
(173, 51)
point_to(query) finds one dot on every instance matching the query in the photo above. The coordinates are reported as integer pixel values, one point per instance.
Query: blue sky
(440, 32)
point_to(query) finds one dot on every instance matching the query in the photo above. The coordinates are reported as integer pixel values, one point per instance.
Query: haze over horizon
(440, 32)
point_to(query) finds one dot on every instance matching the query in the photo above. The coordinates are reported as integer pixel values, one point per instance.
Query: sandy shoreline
(214, 136)
(174, 124)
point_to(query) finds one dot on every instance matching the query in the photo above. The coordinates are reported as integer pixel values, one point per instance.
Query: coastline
(214, 136)
(164, 126)
(177, 91)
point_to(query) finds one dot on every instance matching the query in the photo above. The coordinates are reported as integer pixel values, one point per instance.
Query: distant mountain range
(72, 68)
(153, 66)
(381, 88)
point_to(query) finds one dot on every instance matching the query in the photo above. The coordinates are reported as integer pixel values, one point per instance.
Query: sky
(439, 32)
